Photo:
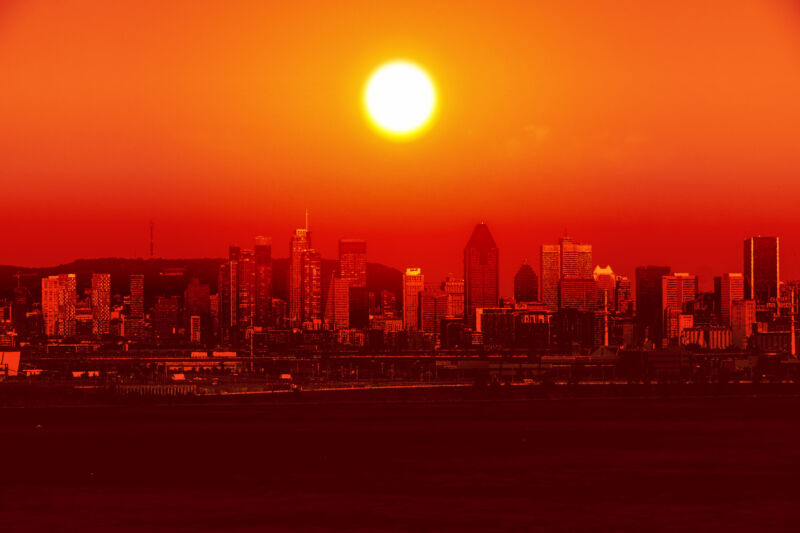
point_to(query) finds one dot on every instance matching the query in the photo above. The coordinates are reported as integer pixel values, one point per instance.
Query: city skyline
(249, 133)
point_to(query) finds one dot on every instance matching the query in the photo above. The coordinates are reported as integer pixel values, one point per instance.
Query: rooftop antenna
(152, 228)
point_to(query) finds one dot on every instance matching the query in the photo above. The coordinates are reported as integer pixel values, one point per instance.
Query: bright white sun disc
(400, 97)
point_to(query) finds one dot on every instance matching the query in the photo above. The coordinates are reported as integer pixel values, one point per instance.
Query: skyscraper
(432, 309)
(413, 284)
(578, 293)
(731, 290)
(742, 317)
(454, 288)
(101, 304)
(623, 295)
(353, 262)
(300, 242)
(481, 274)
(337, 304)
(59, 299)
(761, 269)
(263, 282)
(576, 258)
(137, 296)
(526, 284)
(312, 288)
(677, 290)
(550, 270)
(565, 259)
(134, 326)
(649, 313)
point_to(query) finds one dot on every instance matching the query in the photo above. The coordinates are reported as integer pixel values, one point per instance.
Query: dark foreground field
(648, 465)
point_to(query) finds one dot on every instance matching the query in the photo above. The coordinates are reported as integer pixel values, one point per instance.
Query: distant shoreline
(44, 395)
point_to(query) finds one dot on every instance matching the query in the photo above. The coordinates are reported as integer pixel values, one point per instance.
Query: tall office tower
(649, 314)
(312, 288)
(623, 295)
(481, 274)
(742, 318)
(353, 262)
(134, 325)
(606, 288)
(246, 287)
(101, 304)
(337, 304)
(59, 299)
(263, 282)
(137, 296)
(677, 291)
(526, 284)
(761, 269)
(578, 293)
(731, 289)
(300, 242)
(454, 289)
(550, 271)
(432, 309)
(576, 258)
(229, 296)
(165, 317)
(413, 284)
(565, 259)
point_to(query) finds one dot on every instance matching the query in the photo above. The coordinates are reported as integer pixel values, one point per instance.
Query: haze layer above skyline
(657, 133)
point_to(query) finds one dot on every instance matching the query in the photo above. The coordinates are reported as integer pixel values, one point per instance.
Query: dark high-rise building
(623, 297)
(134, 326)
(299, 244)
(166, 317)
(237, 288)
(761, 269)
(353, 262)
(578, 293)
(454, 288)
(526, 284)
(481, 274)
(101, 304)
(649, 312)
(432, 309)
(565, 259)
(312, 288)
(337, 304)
(263, 282)
(59, 300)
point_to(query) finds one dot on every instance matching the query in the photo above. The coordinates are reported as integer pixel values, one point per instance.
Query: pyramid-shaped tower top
(481, 238)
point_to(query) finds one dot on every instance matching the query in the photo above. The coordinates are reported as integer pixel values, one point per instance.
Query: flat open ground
(707, 464)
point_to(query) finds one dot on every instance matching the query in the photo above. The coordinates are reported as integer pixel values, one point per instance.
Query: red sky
(658, 132)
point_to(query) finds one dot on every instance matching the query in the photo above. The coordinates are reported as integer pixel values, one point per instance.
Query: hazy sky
(658, 132)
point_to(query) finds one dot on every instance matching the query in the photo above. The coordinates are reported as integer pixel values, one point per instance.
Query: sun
(400, 99)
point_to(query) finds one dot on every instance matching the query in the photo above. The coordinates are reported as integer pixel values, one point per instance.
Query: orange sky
(658, 132)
